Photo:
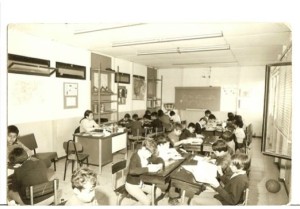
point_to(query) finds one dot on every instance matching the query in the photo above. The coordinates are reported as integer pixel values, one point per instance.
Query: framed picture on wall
(70, 95)
(139, 87)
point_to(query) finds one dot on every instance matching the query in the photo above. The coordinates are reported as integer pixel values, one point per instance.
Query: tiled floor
(262, 169)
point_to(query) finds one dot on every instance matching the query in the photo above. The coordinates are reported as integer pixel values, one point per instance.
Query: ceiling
(251, 44)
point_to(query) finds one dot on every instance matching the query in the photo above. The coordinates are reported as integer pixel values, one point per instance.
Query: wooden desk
(184, 180)
(101, 148)
(206, 146)
(161, 177)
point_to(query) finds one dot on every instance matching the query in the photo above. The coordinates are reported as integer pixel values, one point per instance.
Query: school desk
(101, 148)
(184, 180)
(206, 146)
(162, 177)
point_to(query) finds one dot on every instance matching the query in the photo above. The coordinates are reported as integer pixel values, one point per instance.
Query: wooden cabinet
(104, 98)
(154, 90)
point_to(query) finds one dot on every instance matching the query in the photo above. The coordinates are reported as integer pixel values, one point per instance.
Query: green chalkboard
(198, 98)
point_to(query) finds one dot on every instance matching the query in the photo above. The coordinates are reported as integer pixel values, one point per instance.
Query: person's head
(240, 161)
(12, 134)
(178, 129)
(149, 147)
(135, 117)
(202, 121)
(238, 123)
(147, 112)
(172, 113)
(83, 183)
(154, 115)
(161, 139)
(227, 136)
(230, 116)
(220, 148)
(160, 113)
(126, 117)
(207, 113)
(212, 117)
(192, 127)
(238, 117)
(17, 156)
(88, 114)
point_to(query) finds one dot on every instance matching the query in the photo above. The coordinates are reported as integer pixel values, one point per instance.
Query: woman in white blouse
(87, 123)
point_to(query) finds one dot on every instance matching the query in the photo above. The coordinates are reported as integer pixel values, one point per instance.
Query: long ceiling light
(185, 50)
(164, 40)
(108, 28)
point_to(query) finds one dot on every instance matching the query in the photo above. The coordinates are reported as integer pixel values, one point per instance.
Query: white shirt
(88, 125)
(239, 134)
(175, 118)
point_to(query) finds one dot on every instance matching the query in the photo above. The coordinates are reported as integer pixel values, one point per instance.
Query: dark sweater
(199, 129)
(232, 193)
(135, 169)
(186, 134)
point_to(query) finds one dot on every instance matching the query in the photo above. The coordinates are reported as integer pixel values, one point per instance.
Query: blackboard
(198, 98)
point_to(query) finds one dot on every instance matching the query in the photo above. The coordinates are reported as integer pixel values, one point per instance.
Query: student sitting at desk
(222, 154)
(139, 164)
(27, 171)
(156, 124)
(147, 115)
(200, 127)
(175, 118)
(12, 140)
(125, 121)
(189, 132)
(87, 123)
(174, 136)
(206, 115)
(136, 126)
(232, 192)
(165, 120)
(239, 133)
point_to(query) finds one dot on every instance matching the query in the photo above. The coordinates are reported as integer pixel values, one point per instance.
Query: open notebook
(203, 171)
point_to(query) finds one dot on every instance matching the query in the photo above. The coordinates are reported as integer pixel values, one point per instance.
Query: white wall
(232, 80)
(35, 103)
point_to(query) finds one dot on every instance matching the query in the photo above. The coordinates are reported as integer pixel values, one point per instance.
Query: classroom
(60, 76)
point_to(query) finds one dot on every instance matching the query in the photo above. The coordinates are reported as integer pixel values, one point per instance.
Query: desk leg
(100, 157)
(153, 194)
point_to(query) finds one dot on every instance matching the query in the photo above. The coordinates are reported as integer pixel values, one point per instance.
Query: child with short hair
(139, 164)
(83, 181)
(189, 132)
(126, 120)
(12, 140)
(136, 126)
(156, 124)
(239, 133)
(27, 171)
(200, 127)
(232, 192)
(174, 136)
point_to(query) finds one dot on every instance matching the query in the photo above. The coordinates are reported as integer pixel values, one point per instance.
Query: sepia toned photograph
(205, 120)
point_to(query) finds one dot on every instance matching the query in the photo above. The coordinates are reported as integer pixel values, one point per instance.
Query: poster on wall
(70, 95)
(139, 87)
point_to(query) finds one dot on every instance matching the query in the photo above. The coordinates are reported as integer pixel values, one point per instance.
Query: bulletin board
(70, 95)
(198, 98)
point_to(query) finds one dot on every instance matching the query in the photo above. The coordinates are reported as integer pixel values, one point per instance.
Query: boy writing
(83, 183)
(232, 192)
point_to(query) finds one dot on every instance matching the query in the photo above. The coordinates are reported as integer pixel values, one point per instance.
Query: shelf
(108, 101)
(106, 71)
(153, 79)
(149, 99)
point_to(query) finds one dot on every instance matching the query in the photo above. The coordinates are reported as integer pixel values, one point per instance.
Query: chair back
(77, 130)
(29, 141)
(115, 169)
(72, 147)
(40, 192)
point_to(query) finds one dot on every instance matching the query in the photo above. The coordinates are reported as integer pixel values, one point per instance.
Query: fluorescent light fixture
(108, 28)
(164, 40)
(31, 69)
(185, 50)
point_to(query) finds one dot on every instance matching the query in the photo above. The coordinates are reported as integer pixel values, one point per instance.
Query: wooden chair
(135, 138)
(72, 150)
(30, 142)
(39, 194)
(245, 197)
(120, 190)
